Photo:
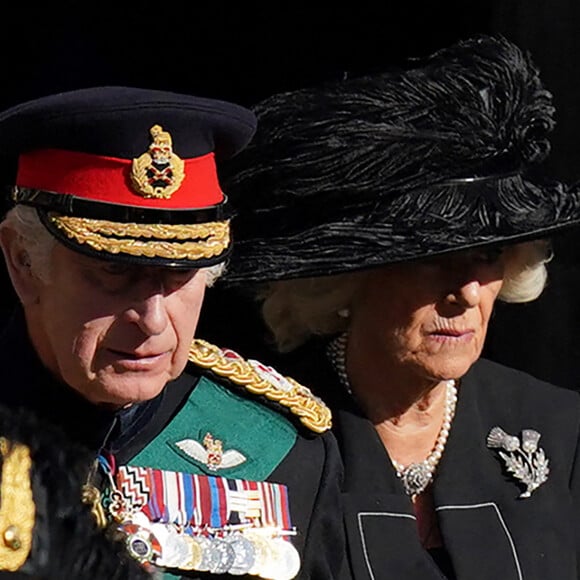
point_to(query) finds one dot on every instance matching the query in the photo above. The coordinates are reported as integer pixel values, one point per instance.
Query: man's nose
(149, 314)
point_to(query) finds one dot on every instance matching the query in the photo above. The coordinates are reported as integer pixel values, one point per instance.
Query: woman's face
(428, 317)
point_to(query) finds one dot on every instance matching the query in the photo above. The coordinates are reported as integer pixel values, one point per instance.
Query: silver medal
(205, 544)
(174, 548)
(245, 554)
(289, 559)
(160, 532)
(284, 563)
(220, 556)
(178, 550)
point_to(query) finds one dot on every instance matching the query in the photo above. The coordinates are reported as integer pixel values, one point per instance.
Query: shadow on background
(241, 55)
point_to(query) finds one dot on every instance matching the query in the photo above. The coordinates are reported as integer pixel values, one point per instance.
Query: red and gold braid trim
(262, 380)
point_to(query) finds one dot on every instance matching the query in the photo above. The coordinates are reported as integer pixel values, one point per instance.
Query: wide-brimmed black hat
(439, 156)
(125, 173)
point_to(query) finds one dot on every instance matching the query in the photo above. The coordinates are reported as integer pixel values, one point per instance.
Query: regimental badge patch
(158, 172)
(211, 453)
(260, 379)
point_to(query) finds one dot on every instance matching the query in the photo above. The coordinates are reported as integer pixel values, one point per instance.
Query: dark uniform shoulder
(263, 383)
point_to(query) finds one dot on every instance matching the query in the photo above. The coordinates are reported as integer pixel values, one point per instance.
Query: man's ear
(25, 283)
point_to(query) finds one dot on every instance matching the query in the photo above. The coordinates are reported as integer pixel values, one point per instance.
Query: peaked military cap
(439, 156)
(125, 173)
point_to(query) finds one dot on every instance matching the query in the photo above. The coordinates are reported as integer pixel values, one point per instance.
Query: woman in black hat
(387, 216)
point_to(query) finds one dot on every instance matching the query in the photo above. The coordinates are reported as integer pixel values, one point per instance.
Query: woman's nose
(467, 294)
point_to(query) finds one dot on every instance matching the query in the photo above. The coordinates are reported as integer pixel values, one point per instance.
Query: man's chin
(127, 393)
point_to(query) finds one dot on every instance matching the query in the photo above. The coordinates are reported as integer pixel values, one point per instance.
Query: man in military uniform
(205, 462)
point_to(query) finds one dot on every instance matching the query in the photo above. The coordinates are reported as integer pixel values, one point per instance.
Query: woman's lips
(452, 336)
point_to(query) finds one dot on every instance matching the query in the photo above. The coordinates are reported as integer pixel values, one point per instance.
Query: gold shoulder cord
(91, 496)
(312, 412)
(17, 508)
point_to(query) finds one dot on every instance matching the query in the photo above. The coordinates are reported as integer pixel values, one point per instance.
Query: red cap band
(107, 179)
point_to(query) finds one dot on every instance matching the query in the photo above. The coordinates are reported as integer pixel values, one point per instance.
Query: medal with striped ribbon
(188, 521)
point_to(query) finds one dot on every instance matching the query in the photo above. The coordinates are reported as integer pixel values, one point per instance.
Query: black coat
(488, 531)
(311, 469)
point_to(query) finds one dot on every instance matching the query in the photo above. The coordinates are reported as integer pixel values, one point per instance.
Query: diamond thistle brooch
(523, 459)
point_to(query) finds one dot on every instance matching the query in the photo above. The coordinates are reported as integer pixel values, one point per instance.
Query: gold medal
(195, 553)
(262, 550)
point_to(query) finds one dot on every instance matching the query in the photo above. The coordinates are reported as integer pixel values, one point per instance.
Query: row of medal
(182, 521)
(260, 551)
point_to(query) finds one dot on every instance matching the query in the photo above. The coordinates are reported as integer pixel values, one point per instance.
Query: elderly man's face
(115, 333)
(429, 318)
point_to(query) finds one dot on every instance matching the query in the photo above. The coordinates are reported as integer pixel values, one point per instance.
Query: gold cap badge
(158, 172)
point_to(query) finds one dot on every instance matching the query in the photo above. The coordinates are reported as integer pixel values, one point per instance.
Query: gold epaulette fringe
(17, 508)
(262, 380)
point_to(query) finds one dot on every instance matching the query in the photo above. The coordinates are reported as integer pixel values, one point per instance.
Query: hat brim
(263, 261)
(413, 227)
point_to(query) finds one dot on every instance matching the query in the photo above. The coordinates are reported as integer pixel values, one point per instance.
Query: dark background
(242, 54)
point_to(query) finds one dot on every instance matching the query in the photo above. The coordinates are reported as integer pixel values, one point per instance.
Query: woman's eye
(490, 255)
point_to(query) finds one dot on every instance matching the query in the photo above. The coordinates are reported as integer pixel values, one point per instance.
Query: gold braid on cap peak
(17, 509)
(196, 241)
(259, 379)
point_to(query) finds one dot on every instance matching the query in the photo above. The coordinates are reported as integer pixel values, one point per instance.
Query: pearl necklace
(415, 476)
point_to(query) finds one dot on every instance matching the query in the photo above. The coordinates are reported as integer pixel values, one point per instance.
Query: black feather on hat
(398, 166)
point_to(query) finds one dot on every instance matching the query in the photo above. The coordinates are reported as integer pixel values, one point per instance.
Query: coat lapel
(468, 478)
(488, 531)
(380, 524)
(379, 518)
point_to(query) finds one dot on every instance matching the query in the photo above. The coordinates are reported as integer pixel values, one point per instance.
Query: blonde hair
(39, 243)
(295, 310)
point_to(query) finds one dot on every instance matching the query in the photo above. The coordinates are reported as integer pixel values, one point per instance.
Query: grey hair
(212, 273)
(295, 310)
(39, 243)
(37, 240)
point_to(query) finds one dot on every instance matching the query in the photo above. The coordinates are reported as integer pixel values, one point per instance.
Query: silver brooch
(524, 460)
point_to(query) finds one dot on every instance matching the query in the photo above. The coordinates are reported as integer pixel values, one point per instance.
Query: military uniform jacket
(273, 441)
(488, 530)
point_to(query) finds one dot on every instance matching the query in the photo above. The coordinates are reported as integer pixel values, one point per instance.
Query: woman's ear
(18, 264)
